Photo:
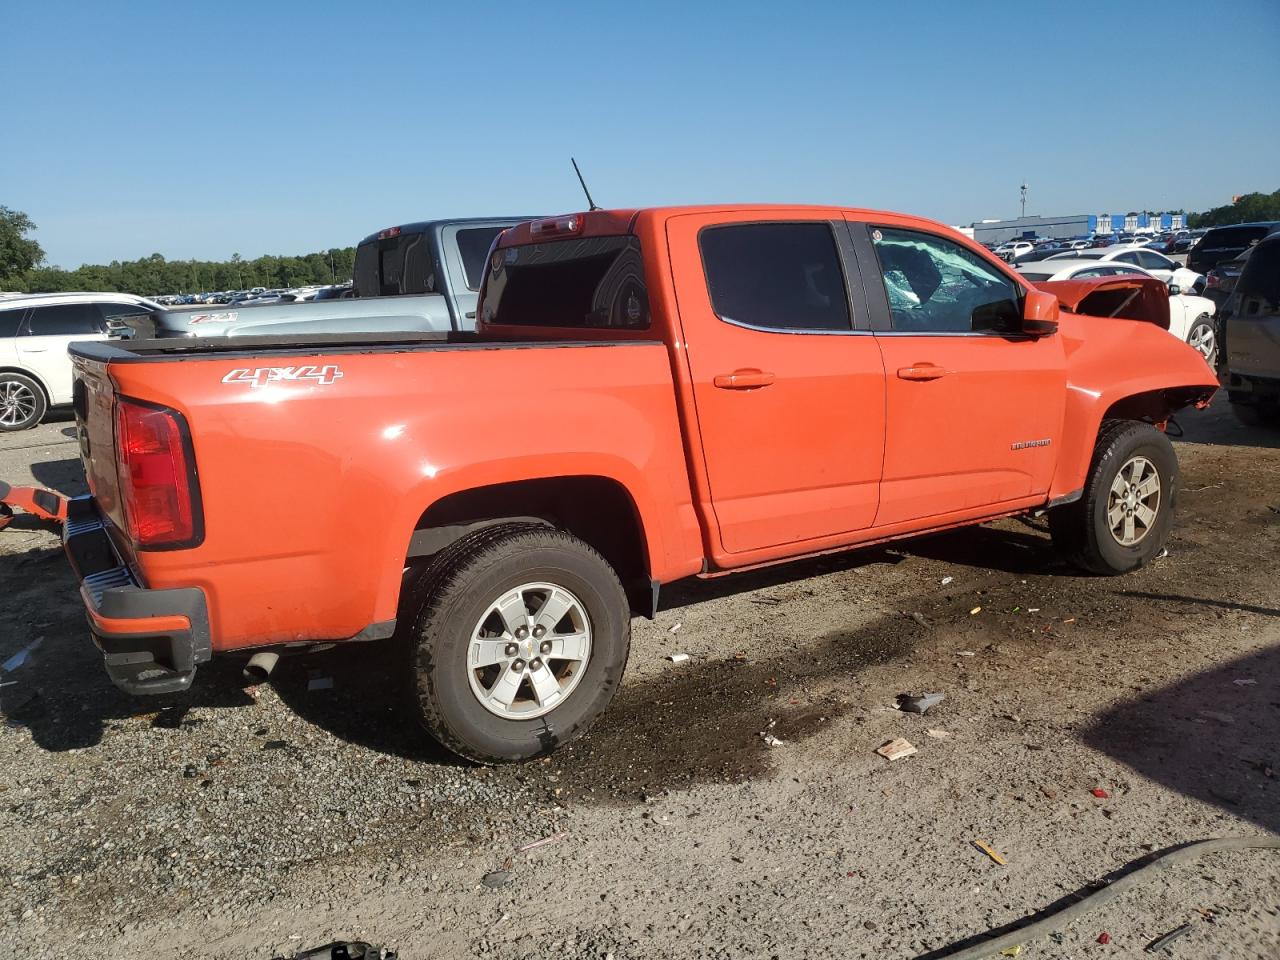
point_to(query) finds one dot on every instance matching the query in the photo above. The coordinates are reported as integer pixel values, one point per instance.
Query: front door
(788, 392)
(973, 404)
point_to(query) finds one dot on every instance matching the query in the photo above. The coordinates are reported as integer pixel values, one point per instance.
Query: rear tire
(1203, 338)
(1125, 514)
(475, 598)
(22, 402)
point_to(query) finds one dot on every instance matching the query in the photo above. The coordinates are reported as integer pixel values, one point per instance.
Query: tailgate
(93, 396)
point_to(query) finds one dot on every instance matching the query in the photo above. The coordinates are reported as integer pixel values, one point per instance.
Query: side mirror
(1174, 289)
(1039, 313)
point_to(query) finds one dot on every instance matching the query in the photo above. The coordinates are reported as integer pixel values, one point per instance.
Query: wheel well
(597, 510)
(1155, 406)
(33, 378)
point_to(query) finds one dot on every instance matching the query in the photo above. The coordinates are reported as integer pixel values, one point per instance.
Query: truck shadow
(1214, 737)
(64, 476)
(58, 690)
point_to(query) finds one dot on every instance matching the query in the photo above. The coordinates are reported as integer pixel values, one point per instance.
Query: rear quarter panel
(311, 491)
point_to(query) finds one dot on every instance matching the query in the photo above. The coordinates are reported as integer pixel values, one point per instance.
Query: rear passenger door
(45, 336)
(788, 383)
(973, 404)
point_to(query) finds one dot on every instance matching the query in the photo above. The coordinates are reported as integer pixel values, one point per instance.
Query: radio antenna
(591, 204)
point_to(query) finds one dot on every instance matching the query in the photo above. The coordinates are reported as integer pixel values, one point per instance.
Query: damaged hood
(1127, 297)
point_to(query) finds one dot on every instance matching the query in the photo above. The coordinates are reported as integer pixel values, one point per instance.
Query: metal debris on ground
(1218, 715)
(676, 628)
(344, 950)
(896, 749)
(908, 703)
(22, 656)
(1245, 682)
(1164, 552)
(986, 848)
(678, 657)
(1159, 943)
(937, 734)
(544, 842)
(496, 879)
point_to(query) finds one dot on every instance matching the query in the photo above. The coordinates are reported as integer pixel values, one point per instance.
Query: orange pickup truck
(649, 395)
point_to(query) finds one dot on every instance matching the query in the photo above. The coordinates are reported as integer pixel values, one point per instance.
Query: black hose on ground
(1132, 876)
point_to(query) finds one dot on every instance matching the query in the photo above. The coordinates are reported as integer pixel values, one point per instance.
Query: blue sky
(203, 129)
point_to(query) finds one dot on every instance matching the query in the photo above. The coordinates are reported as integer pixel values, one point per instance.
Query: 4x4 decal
(261, 376)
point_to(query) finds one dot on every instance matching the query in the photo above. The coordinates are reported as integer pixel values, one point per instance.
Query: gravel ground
(250, 822)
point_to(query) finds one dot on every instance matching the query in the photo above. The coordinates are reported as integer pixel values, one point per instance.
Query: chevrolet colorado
(649, 395)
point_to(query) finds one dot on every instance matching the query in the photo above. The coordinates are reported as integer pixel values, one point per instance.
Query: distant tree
(18, 252)
(1250, 207)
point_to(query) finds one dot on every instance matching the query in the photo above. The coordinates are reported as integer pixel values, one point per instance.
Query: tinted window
(937, 286)
(1037, 277)
(1096, 272)
(592, 282)
(1130, 257)
(394, 266)
(473, 246)
(9, 321)
(780, 276)
(1153, 261)
(121, 311)
(64, 319)
(1231, 237)
(1259, 284)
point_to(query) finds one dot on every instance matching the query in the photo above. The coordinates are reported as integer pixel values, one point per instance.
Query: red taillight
(157, 476)
(1211, 280)
(388, 233)
(553, 225)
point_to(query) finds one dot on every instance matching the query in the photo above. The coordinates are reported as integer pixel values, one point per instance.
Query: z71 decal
(261, 376)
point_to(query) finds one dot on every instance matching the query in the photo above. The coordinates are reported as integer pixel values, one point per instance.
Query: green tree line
(22, 268)
(1249, 208)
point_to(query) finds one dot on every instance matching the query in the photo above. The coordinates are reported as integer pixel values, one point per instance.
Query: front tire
(22, 402)
(520, 642)
(1124, 516)
(1204, 339)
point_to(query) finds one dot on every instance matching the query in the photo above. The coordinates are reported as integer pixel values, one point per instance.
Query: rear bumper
(151, 640)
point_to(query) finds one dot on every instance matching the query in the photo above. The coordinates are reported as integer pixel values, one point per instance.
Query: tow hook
(36, 501)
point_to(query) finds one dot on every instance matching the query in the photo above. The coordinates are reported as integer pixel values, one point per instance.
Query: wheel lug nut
(539, 631)
(517, 665)
(521, 632)
(545, 647)
(535, 664)
(510, 650)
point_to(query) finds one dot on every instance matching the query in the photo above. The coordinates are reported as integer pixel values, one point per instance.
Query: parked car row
(258, 295)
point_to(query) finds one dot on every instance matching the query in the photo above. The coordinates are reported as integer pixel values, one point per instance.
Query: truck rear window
(1230, 238)
(591, 282)
(394, 266)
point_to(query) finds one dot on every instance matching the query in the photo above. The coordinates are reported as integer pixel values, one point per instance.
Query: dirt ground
(235, 822)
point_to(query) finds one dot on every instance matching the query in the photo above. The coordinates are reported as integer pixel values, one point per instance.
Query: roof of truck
(424, 226)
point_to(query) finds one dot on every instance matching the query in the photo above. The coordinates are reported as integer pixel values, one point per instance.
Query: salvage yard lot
(242, 822)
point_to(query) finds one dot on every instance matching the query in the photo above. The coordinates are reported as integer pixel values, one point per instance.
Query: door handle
(743, 380)
(35, 349)
(922, 371)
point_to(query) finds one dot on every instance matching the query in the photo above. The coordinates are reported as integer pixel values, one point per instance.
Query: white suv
(35, 330)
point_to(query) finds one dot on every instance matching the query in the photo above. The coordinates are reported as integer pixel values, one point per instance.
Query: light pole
(1023, 188)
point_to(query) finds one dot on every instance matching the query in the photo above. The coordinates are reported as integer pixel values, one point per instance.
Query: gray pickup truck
(413, 278)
